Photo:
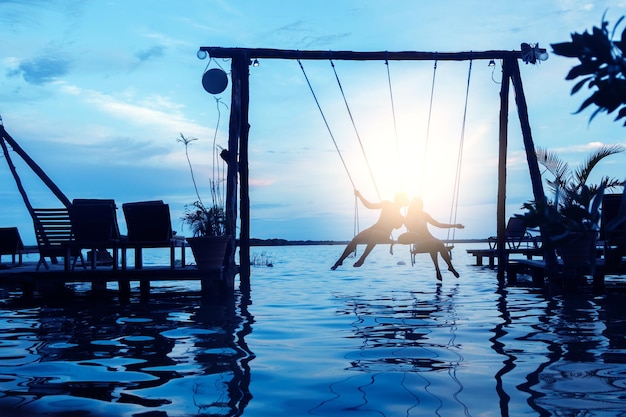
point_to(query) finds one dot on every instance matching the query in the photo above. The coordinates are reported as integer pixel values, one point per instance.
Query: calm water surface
(381, 340)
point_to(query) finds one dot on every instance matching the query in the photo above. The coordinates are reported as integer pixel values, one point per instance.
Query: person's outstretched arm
(367, 203)
(435, 223)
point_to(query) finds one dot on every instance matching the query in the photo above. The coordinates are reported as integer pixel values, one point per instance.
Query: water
(382, 340)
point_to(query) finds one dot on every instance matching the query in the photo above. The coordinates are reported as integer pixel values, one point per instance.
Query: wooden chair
(516, 233)
(55, 237)
(149, 226)
(95, 227)
(11, 244)
(518, 241)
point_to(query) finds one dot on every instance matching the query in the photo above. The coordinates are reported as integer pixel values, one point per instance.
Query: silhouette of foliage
(602, 68)
(204, 220)
(575, 207)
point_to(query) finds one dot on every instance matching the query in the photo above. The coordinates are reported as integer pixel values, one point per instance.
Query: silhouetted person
(416, 222)
(390, 218)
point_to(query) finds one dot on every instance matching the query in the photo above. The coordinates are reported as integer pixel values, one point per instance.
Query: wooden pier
(31, 282)
(492, 254)
(565, 276)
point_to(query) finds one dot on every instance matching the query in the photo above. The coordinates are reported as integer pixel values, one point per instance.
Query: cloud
(149, 111)
(41, 70)
(156, 51)
(304, 35)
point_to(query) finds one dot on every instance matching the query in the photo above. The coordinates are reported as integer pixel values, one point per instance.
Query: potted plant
(207, 222)
(570, 220)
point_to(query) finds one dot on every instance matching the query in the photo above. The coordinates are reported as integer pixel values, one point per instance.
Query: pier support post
(144, 289)
(123, 286)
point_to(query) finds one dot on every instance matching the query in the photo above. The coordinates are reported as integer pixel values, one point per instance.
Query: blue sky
(97, 92)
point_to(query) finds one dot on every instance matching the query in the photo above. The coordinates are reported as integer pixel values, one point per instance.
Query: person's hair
(401, 198)
(416, 202)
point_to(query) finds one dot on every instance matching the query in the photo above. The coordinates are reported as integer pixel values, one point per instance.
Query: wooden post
(123, 290)
(36, 168)
(266, 53)
(238, 167)
(238, 112)
(244, 215)
(502, 156)
(144, 289)
(549, 255)
(16, 177)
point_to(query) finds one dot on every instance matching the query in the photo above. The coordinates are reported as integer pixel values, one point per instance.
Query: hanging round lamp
(215, 81)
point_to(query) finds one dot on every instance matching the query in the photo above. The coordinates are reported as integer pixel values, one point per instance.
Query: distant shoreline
(286, 242)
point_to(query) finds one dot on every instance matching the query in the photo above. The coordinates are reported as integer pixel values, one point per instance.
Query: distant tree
(602, 68)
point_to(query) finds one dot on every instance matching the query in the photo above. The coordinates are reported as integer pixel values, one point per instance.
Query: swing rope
(393, 109)
(332, 64)
(430, 112)
(343, 162)
(327, 125)
(457, 180)
(356, 228)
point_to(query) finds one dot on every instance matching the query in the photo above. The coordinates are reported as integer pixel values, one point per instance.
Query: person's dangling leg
(446, 257)
(372, 237)
(433, 256)
(366, 252)
(349, 249)
(359, 238)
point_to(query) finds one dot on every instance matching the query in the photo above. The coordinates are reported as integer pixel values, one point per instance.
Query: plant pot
(579, 252)
(209, 251)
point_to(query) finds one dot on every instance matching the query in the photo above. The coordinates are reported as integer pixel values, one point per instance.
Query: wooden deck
(529, 261)
(565, 275)
(492, 254)
(31, 282)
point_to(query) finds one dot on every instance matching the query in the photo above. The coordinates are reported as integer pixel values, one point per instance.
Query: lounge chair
(515, 234)
(518, 241)
(11, 243)
(55, 237)
(95, 227)
(149, 226)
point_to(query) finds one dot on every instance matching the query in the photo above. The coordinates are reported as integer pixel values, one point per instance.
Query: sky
(98, 92)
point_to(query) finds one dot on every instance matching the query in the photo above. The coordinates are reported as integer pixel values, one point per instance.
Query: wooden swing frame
(242, 58)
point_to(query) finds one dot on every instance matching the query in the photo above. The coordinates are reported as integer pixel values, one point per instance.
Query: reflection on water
(178, 355)
(411, 336)
(384, 339)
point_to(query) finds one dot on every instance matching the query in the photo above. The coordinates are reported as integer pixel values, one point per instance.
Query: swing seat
(411, 238)
(378, 240)
(370, 236)
(408, 238)
(416, 248)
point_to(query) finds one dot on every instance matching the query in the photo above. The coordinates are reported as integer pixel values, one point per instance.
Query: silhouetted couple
(417, 234)
(390, 218)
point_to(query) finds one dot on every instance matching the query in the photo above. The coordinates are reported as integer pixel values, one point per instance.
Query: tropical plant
(602, 66)
(574, 209)
(202, 219)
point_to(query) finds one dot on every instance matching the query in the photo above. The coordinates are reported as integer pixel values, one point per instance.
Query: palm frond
(554, 164)
(610, 183)
(582, 172)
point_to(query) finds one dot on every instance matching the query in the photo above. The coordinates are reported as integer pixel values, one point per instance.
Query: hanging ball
(214, 81)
